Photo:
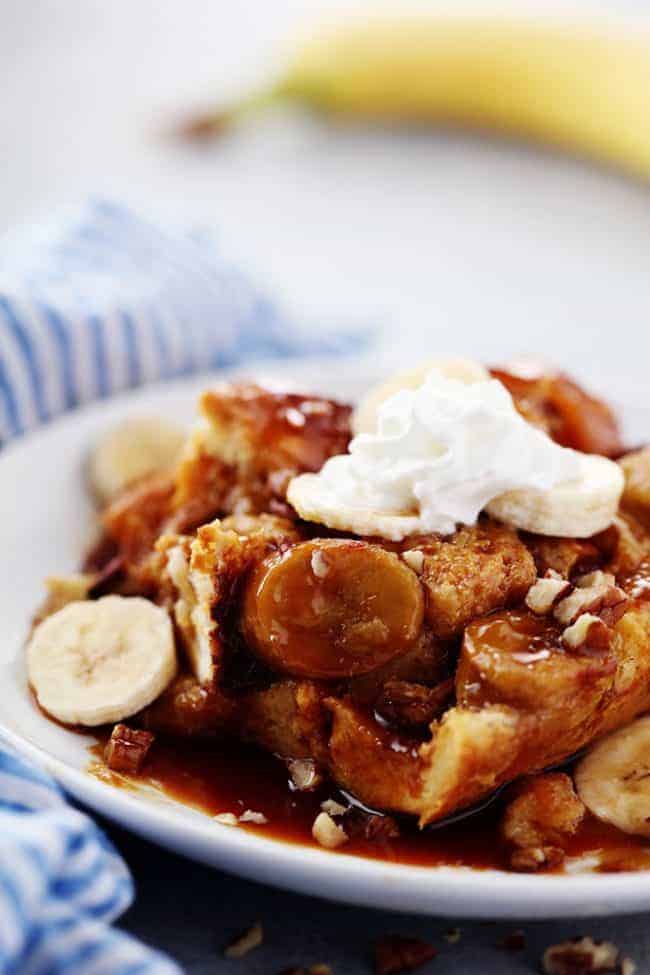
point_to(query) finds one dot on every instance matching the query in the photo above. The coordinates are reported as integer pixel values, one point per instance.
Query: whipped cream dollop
(441, 453)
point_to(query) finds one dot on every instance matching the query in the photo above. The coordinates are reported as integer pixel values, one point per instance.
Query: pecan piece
(248, 941)
(375, 827)
(394, 954)
(582, 956)
(537, 822)
(127, 749)
(587, 631)
(546, 592)
(305, 774)
(594, 592)
(328, 833)
(403, 702)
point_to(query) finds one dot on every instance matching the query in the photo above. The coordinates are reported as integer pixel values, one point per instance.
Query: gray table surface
(191, 912)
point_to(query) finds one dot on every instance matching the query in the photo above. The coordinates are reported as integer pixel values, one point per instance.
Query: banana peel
(582, 87)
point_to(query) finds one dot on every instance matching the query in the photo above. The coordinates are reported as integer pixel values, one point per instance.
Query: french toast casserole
(404, 675)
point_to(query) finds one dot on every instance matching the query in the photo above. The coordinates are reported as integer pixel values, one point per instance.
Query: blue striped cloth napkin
(100, 299)
(92, 303)
(61, 886)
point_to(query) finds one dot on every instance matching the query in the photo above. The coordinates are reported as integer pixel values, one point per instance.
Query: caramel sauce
(220, 777)
(223, 777)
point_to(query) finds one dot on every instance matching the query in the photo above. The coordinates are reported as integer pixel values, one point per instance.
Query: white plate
(45, 517)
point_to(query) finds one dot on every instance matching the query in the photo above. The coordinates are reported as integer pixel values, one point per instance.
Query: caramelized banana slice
(332, 608)
(517, 659)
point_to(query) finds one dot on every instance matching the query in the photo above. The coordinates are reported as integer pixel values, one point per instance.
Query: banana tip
(201, 128)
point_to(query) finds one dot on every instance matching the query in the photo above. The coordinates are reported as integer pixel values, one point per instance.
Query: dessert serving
(418, 629)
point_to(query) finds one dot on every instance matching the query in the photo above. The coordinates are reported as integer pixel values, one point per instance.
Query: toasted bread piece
(187, 709)
(248, 444)
(474, 571)
(474, 750)
(380, 766)
(543, 812)
(205, 573)
(288, 719)
(566, 556)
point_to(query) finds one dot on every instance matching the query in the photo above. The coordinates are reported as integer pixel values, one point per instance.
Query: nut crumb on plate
(250, 939)
(326, 832)
(250, 816)
(394, 954)
(305, 774)
(226, 819)
(582, 956)
(127, 749)
(587, 631)
(333, 807)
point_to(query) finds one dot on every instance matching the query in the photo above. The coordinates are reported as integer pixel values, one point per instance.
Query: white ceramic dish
(45, 519)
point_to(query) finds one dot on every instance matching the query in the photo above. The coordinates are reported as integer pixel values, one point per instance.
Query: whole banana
(584, 87)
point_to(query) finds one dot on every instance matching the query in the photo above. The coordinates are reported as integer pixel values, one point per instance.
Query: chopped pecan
(582, 956)
(587, 631)
(251, 816)
(403, 702)
(533, 858)
(226, 819)
(536, 823)
(328, 833)
(377, 828)
(246, 942)
(546, 592)
(394, 954)
(305, 774)
(127, 749)
(593, 592)
(333, 807)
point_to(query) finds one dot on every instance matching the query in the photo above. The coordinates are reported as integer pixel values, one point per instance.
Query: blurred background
(454, 243)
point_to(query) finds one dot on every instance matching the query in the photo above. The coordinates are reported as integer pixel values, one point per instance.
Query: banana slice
(576, 509)
(613, 779)
(130, 451)
(314, 500)
(364, 418)
(98, 662)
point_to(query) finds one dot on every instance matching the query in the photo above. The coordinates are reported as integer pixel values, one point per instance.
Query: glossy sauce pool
(227, 777)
